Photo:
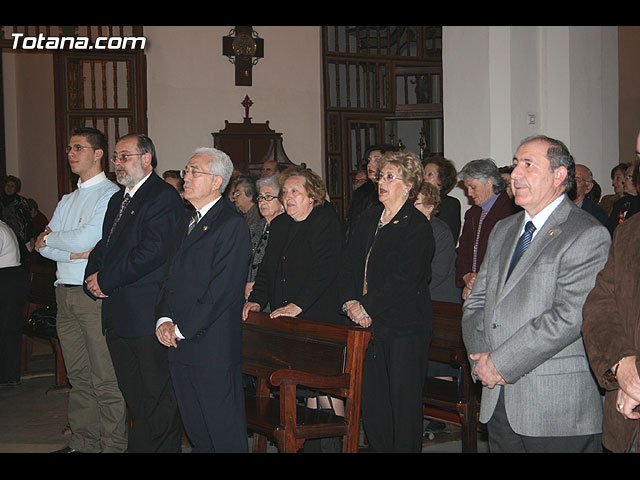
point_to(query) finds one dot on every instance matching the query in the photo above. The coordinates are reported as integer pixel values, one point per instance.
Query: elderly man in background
(584, 184)
(521, 322)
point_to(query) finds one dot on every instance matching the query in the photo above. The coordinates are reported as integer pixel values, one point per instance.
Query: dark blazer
(398, 272)
(363, 197)
(443, 266)
(130, 268)
(622, 210)
(301, 264)
(203, 286)
(594, 209)
(203, 294)
(449, 213)
(503, 207)
(610, 328)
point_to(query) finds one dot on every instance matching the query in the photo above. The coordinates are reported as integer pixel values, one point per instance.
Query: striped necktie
(195, 218)
(523, 243)
(123, 206)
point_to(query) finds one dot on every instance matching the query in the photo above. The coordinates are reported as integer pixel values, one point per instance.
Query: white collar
(96, 179)
(543, 215)
(203, 211)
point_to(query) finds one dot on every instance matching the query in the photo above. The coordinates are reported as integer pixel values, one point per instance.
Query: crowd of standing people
(155, 274)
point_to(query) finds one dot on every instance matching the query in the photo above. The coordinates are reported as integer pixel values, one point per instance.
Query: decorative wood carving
(251, 144)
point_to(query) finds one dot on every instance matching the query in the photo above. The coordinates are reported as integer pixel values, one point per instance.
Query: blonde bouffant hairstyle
(409, 166)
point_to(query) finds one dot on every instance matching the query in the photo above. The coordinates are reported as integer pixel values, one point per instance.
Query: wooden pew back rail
(288, 352)
(458, 401)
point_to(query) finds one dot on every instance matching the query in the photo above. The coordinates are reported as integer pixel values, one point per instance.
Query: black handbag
(43, 321)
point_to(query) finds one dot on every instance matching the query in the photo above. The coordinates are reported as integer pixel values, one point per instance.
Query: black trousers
(142, 370)
(211, 402)
(393, 377)
(14, 292)
(502, 439)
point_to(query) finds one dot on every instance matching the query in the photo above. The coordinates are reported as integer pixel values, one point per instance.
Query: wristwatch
(611, 374)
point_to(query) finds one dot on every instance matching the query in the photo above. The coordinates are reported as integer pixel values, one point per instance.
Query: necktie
(195, 218)
(123, 206)
(523, 243)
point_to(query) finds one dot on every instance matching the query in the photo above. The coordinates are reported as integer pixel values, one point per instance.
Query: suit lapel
(203, 226)
(551, 230)
(136, 201)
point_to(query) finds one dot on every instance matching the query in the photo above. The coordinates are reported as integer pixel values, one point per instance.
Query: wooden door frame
(62, 110)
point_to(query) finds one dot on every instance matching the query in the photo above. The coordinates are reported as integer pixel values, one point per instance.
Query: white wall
(191, 90)
(494, 77)
(30, 126)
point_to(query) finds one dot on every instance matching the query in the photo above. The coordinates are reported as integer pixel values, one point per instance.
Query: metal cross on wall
(244, 49)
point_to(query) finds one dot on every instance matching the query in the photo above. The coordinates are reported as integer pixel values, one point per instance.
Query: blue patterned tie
(523, 243)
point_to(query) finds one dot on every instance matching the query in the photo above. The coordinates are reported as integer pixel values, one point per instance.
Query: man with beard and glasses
(125, 269)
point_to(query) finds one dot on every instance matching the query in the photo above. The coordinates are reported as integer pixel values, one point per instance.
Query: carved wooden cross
(246, 103)
(244, 49)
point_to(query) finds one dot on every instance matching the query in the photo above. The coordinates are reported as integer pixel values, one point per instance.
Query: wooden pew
(42, 293)
(285, 352)
(457, 401)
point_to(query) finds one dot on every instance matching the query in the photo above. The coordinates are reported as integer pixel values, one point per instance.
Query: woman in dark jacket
(486, 189)
(384, 284)
(441, 173)
(297, 275)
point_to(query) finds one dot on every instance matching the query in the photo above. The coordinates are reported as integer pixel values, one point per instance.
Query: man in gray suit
(522, 320)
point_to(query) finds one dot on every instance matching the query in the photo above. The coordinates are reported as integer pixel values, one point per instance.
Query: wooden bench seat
(452, 401)
(285, 353)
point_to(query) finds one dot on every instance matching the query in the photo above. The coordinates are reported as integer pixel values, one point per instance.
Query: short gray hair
(270, 181)
(220, 164)
(483, 170)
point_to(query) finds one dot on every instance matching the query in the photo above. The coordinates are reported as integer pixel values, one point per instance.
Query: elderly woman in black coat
(384, 285)
(297, 274)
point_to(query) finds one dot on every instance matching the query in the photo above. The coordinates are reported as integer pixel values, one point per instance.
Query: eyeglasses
(267, 197)
(389, 177)
(193, 172)
(123, 157)
(76, 148)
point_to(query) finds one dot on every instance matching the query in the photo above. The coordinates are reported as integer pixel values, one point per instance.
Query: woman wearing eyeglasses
(384, 284)
(297, 274)
(270, 207)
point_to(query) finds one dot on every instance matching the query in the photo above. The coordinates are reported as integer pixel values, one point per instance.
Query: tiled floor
(33, 414)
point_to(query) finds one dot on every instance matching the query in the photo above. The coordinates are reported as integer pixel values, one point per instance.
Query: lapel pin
(552, 232)
(205, 228)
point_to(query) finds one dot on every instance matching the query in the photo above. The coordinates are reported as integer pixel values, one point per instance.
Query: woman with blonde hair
(384, 284)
